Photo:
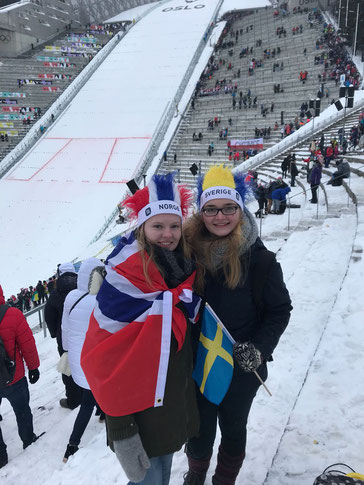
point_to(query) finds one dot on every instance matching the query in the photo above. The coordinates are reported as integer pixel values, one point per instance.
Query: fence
(40, 310)
(165, 120)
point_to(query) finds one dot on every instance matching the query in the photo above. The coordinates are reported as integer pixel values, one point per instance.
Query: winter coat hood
(86, 268)
(2, 299)
(66, 282)
(66, 268)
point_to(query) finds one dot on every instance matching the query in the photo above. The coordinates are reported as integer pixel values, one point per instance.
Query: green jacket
(165, 429)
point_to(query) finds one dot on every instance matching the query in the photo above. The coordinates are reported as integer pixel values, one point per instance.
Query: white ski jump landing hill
(56, 198)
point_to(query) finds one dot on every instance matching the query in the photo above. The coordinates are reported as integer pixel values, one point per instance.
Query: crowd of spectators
(31, 297)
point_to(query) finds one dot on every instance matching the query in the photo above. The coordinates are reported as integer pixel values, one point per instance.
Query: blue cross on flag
(214, 362)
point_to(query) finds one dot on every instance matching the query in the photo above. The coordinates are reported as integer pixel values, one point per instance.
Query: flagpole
(227, 333)
(262, 383)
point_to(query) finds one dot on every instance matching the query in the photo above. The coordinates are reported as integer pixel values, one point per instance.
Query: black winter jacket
(54, 307)
(237, 308)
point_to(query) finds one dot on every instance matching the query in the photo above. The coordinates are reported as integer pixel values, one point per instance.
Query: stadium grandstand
(98, 96)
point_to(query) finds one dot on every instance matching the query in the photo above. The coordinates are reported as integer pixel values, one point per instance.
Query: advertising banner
(34, 81)
(5, 94)
(55, 76)
(58, 64)
(4, 124)
(11, 116)
(8, 101)
(255, 143)
(52, 59)
(9, 133)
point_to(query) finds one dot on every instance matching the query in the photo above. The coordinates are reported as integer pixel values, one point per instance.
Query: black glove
(247, 356)
(33, 376)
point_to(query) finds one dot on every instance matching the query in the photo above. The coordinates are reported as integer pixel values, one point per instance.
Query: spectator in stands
(294, 172)
(329, 155)
(285, 165)
(260, 193)
(41, 292)
(50, 285)
(342, 172)
(46, 292)
(279, 197)
(20, 346)
(78, 306)
(66, 282)
(315, 179)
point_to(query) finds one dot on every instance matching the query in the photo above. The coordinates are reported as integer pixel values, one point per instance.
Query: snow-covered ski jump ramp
(57, 197)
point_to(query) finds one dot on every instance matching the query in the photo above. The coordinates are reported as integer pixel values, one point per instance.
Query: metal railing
(165, 120)
(40, 310)
(304, 133)
(288, 202)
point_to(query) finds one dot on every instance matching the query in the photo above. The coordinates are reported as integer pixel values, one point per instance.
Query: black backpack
(333, 475)
(7, 365)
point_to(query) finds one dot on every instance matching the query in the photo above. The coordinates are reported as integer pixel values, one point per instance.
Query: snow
(84, 159)
(130, 14)
(315, 416)
(230, 5)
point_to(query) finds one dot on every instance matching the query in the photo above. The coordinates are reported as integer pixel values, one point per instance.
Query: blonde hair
(146, 248)
(195, 233)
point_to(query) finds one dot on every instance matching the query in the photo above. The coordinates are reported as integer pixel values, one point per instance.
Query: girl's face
(164, 230)
(221, 224)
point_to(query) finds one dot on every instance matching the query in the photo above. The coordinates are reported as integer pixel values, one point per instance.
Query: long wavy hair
(197, 235)
(146, 247)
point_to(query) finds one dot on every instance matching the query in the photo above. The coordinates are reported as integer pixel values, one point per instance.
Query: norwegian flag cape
(126, 351)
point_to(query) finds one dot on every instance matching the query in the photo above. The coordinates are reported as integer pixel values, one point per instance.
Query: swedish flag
(214, 362)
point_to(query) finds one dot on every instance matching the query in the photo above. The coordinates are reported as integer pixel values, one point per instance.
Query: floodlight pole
(356, 27)
(346, 102)
(339, 16)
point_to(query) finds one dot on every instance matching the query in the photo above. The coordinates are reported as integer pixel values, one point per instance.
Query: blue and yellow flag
(214, 362)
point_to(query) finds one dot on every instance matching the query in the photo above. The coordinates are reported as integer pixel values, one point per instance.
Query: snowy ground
(315, 416)
(81, 164)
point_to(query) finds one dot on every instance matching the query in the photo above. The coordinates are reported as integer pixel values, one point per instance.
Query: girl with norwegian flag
(137, 355)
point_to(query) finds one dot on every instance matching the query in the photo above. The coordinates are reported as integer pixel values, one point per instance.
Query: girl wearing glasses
(232, 264)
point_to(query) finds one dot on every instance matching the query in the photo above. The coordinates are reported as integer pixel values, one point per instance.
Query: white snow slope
(81, 164)
(315, 416)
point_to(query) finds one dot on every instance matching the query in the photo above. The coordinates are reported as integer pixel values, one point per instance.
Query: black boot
(197, 470)
(227, 468)
(3, 459)
(33, 440)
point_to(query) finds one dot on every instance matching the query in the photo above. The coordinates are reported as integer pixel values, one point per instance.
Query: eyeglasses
(229, 210)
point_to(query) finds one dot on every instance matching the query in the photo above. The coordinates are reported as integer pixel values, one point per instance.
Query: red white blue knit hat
(161, 196)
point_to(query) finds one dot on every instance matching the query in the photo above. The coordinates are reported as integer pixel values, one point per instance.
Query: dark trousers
(18, 396)
(232, 415)
(314, 193)
(83, 417)
(73, 391)
(293, 180)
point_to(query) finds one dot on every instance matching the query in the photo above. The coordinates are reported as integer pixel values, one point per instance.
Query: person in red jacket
(18, 338)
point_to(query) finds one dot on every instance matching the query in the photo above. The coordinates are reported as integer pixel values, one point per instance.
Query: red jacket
(16, 333)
